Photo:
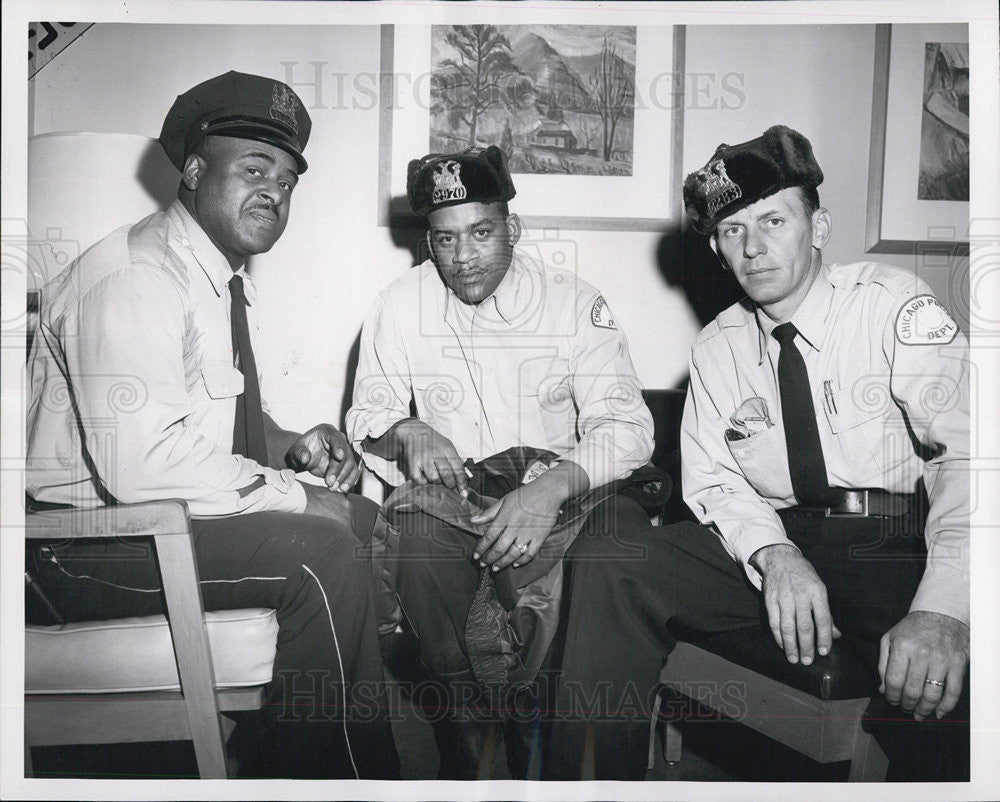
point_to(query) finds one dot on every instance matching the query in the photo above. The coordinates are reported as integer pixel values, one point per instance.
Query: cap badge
(448, 184)
(284, 104)
(717, 187)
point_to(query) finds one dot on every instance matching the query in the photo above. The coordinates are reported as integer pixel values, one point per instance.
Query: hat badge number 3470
(448, 184)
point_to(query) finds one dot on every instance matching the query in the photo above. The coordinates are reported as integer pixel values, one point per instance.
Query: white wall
(319, 280)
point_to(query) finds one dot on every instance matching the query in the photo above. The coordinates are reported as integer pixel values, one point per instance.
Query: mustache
(271, 208)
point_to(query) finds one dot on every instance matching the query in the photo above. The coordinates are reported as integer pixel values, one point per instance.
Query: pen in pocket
(831, 405)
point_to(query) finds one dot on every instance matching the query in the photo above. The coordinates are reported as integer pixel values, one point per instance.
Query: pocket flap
(222, 380)
(849, 413)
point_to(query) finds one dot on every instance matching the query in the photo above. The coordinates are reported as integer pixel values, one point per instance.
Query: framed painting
(918, 169)
(590, 116)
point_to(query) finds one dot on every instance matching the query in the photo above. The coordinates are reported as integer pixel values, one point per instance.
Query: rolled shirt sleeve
(130, 390)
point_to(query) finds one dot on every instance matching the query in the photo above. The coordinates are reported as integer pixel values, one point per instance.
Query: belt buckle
(853, 505)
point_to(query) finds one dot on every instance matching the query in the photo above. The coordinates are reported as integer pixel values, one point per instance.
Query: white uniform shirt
(541, 363)
(884, 358)
(133, 387)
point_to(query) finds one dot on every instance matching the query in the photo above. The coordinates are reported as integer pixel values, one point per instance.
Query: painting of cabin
(555, 98)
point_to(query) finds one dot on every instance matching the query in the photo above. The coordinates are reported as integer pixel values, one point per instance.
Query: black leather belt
(866, 504)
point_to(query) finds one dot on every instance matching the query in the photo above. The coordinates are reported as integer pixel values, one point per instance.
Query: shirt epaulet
(896, 280)
(735, 316)
(149, 241)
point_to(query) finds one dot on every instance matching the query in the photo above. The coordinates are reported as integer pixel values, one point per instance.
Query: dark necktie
(805, 454)
(248, 430)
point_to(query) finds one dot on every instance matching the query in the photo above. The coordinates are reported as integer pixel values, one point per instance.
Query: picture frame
(647, 200)
(897, 219)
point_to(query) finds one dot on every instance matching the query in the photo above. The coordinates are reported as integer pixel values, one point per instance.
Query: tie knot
(784, 333)
(236, 289)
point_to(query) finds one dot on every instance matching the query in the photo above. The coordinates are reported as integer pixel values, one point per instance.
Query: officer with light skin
(774, 249)
(758, 203)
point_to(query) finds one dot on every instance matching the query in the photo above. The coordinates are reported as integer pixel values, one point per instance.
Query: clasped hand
(324, 451)
(427, 457)
(518, 525)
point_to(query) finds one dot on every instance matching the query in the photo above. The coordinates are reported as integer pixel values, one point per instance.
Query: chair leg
(210, 753)
(651, 760)
(672, 742)
(868, 762)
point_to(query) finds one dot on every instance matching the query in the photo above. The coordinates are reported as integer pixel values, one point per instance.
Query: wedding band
(521, 547)
(935, 682)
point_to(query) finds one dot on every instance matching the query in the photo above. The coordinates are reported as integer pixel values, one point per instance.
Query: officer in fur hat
(500, 353)
(820, 410)
(166, 305)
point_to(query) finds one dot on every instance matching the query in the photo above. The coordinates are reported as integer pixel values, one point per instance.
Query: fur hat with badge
(739, 175)
(475, 175)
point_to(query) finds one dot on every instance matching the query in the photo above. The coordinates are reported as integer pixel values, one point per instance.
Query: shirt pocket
(763, 460)
(858, 428)
(544, 378)
(438, 395)
(850, 414)
(222, 380)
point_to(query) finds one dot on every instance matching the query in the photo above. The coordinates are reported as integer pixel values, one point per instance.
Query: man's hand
(525, 517)
(329, 504)
(924, 646)
(795, 597)
(325, 452)
(426, 457)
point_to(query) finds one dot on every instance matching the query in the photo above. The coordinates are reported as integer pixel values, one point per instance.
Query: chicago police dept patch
(924, 321)
(600, 315)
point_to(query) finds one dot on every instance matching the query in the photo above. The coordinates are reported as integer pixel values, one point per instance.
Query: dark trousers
(326, 710)
(627, 579)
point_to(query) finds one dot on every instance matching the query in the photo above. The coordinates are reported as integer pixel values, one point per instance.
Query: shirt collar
(212, 262)
(809, 319)
(508, 292)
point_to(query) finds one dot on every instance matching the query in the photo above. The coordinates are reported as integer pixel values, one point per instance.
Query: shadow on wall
(687, 263)
(349, 379)
(407, 233)
(156, 175)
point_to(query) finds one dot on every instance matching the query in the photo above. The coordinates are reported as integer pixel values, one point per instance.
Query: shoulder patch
(924, 321)
(600, 315)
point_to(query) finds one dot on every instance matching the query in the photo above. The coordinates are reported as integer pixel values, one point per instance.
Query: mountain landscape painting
(554, 98)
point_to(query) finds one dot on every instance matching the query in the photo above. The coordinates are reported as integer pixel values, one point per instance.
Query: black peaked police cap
(739, 175)
(475, 175)
(238, 105)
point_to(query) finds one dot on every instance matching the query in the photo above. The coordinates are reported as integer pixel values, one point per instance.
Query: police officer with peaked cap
(167, 306)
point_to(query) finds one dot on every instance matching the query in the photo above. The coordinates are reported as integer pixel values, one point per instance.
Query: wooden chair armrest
(169, 524)
(169, 517)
